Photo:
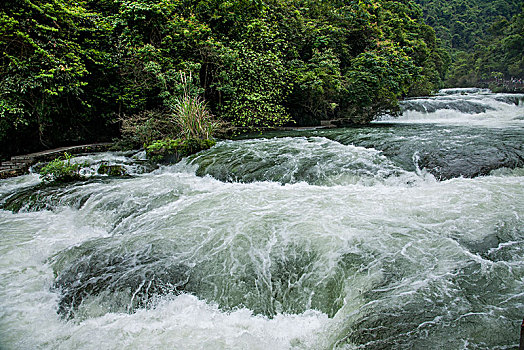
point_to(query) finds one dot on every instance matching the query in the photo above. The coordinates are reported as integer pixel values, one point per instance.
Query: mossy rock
(172, 150)
(112, 170)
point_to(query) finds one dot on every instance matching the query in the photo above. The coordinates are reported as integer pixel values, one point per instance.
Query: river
(405, 234)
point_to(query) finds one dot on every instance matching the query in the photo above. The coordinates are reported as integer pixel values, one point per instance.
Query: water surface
(408, 233)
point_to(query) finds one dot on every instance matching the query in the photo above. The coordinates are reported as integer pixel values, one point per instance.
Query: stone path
(19, 165)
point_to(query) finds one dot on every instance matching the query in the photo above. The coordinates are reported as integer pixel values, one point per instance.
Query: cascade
(406, 233)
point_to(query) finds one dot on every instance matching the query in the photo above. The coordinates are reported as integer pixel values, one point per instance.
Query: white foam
(184, 322)
(407, 240)
(498, 113)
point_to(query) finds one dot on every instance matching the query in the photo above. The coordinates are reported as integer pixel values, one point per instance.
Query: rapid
(404, 234)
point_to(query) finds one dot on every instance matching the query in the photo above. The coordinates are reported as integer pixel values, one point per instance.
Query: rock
(112, 170)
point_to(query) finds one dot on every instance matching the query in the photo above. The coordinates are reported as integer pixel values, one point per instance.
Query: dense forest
(484, 37)
(75, 71)
(86, 70)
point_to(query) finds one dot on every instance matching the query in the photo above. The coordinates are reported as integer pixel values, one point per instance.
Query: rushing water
(407, 234)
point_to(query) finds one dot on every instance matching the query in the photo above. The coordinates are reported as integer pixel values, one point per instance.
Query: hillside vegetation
(75, 71)
(485, 38)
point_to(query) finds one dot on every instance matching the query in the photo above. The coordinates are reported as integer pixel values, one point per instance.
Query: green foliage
(190, 116)
(61, 170)
(172, 150)
(145, 127)
(252, 88)
(380, 76)
(319, 83)
(185, 128)
(112, 170)
(78, 70)
(50, 50)
(499, 56)
(485, 38)
(461, 24)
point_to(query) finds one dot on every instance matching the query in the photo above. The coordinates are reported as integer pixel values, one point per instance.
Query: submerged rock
(114, 279)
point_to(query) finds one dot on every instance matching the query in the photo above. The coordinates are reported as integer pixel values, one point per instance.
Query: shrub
(145, 127)
(61, 170)
(190, 113)
(186, 126)
(172, 150)
(111, 170)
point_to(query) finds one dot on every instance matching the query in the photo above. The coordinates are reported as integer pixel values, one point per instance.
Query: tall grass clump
(191, 114)
(193, 118)
(186, 127)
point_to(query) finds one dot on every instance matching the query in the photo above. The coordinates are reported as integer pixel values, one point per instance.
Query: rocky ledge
(19, 165)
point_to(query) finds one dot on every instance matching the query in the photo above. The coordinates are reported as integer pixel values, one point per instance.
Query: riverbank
(503, 85)
(19, 165)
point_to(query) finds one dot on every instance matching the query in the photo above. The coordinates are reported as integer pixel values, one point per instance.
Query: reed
(193, 118)
(191, 114)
